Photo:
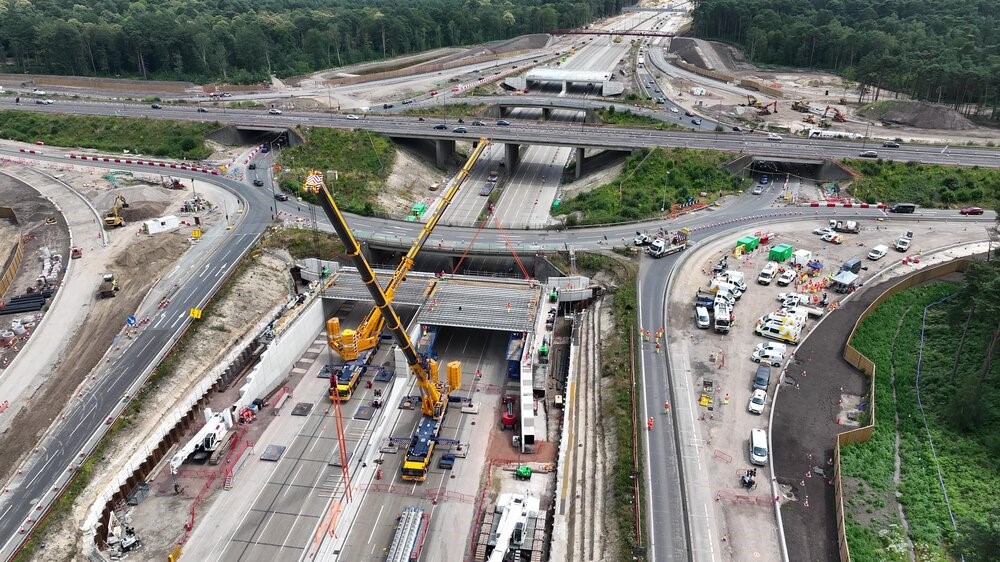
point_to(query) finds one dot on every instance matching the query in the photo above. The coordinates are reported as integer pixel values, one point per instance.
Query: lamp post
(663, 202)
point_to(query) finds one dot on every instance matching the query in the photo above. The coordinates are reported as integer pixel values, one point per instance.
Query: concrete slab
(302, 409)
(272, 453)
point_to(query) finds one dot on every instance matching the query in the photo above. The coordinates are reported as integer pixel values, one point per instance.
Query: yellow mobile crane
(350, 344)
(113, 218)
(434, 395)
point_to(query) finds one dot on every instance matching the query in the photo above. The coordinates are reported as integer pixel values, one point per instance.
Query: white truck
(903, 243)
(723, 318)
(716, 286)
(734, 277)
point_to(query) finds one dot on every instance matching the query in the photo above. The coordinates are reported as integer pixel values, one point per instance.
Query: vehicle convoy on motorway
(385, 411)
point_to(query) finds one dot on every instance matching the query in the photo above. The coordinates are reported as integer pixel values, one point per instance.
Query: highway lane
(552, 133)
(87, 416)
(66, 439)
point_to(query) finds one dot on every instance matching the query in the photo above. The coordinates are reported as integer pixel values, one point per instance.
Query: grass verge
(355, 165)
(169, 139)
(926, 185)
(652, 180)
(617, 405)
(305, 243)
(969, 470)
(612, 117)
(449, 110)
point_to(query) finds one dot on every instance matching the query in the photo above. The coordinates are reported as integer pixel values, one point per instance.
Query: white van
(758, 447)
(701, 318)
(767, 274)
(878, 252)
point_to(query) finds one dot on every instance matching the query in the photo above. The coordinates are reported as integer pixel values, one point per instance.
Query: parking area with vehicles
(818, 390)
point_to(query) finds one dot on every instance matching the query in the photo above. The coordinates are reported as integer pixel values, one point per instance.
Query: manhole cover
(302, 409)
(272, 453)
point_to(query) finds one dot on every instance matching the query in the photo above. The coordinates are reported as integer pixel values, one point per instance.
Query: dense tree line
(240, 41)
(937, 51)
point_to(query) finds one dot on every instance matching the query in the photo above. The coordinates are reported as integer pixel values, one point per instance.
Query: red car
(971, 211)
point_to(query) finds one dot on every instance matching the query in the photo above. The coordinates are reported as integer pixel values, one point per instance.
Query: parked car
(833, 238)
(696, 121)
(868, 154)
(767, 357)
(758, 447)
(890, 144)
(434, 92)
(701, 318)
(737, 129)
(822, 231)
(274, 111)
(786, 278)
(757, 401)
(971, 211)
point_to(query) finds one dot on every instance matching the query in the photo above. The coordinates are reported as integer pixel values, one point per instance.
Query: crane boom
(425, 370)
(349, 344)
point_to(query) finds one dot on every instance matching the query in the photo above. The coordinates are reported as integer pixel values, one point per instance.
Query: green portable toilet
(749, 243)
(780, 253)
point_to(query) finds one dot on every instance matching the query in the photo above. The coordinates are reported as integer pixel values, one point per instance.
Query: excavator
(350, 344)
(114, 218)
(801, 106)
(434, 395)
(769, 108)
(838, 116)
(752, 101)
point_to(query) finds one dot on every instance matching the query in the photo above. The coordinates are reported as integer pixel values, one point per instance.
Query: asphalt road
(60, 449)
(85, 418)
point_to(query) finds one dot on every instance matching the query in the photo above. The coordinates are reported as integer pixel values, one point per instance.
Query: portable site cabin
(749, 243)
(780, 253)
(162, 224)
(801, 257)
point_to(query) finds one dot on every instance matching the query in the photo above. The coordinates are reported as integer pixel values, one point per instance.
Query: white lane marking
(179, 317)
(377, 517)
(40, 471)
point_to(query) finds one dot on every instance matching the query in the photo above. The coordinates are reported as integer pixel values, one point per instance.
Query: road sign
(195, 313)
(130, 320)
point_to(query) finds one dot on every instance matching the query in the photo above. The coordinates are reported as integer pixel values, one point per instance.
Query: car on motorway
(156, 106)
(281, 197)
(764, 179)
(737, 129)
(252, 166)
(460, 130)
(689, 113)
(441, 127)
(890, 144)
(786, 278)
(774, 137)
(202, 110)
(456, 89)
(387, 106)
(274, 111)
(696, 121)
(352, 117)
(661, 100)
(258, 182)
(757, 401)
(434, 92)
(971, 211)
(758, 189)
(868, 154)
(823, 230)
(40, 102)
(407, 102)
(478, 123)
(503, 123)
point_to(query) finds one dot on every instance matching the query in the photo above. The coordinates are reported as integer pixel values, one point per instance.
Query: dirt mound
(163, 247)
(918, 114)
(697, 52)
(138, 212)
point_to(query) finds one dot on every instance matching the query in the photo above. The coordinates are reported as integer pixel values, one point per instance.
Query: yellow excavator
(349, 344)
(114, 218)
(434, 395)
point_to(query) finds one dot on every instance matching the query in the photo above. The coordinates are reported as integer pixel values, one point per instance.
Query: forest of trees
(241, 41)
(935, 51)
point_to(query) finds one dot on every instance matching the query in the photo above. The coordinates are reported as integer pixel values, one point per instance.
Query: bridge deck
(468, 303)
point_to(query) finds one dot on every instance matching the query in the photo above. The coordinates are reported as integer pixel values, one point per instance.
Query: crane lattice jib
(421, 367)
(371, 325)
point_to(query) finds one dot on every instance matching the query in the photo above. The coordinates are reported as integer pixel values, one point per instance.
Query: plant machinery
(114, 218)
(801, 106)
(349, 344)
(838, 115)
(769, 108)
(434, 395)
(752, 101)
(109, 285)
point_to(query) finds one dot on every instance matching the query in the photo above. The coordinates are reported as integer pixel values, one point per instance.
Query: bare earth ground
(408, 183)
(258, 290)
